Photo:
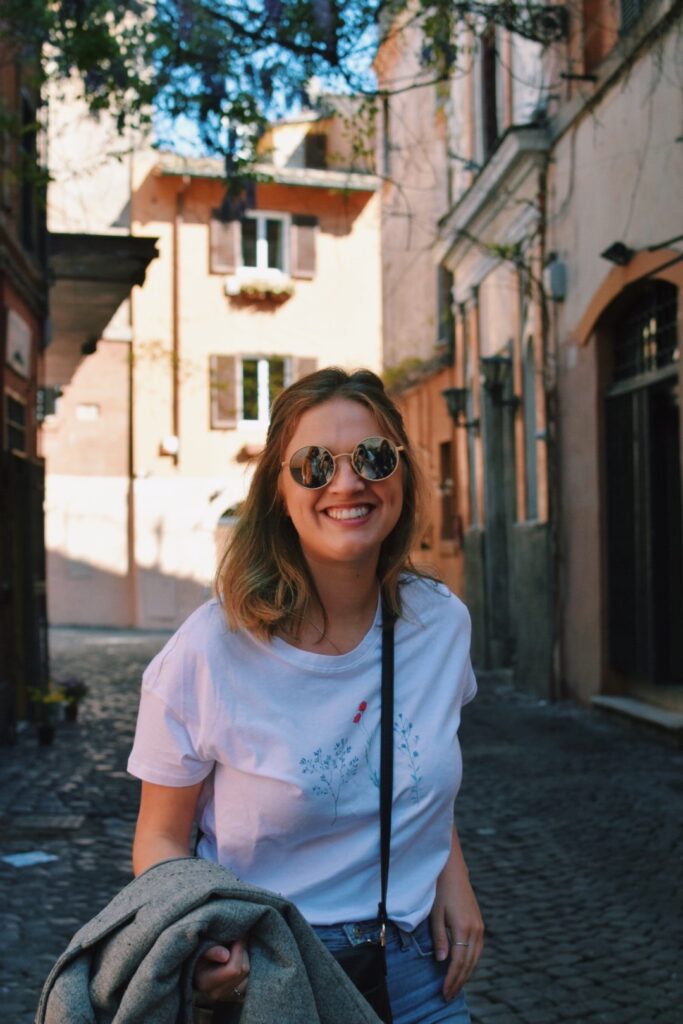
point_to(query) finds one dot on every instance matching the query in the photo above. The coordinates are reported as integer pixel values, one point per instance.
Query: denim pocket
(421, 939)
(332, 936)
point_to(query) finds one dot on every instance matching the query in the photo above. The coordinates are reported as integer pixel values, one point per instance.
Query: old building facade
(23, 336)
(615, 196)
(482, 304)
(150, 452)
(565, 441)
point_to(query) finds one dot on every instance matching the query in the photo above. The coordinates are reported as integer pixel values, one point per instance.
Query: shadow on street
(571, 826)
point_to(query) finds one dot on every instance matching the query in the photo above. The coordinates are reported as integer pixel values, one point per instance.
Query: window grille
(647, 337)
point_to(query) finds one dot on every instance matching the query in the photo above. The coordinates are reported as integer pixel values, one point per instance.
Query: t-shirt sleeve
(169, 747)
(469, 686)
(468, 683)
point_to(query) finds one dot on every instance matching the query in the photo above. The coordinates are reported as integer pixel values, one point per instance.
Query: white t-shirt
(287, 743)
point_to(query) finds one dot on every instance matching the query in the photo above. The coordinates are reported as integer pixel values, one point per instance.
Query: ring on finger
(460, 943)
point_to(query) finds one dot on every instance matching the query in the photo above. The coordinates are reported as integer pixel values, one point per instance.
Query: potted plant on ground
(47, 708)
(74, 690)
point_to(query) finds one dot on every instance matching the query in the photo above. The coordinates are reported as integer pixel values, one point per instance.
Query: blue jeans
(414, 977)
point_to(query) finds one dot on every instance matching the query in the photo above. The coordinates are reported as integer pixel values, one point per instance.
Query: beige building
(558, 476)
(412, 158)
(615, 221)
(150, 451)
(471, 303)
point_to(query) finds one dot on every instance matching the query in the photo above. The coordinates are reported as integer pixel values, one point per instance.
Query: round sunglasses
(374, 458)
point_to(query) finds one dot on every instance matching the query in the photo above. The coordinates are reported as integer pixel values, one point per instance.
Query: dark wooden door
(644, 517)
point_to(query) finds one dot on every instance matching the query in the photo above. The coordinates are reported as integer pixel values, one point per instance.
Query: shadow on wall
(82, 594)
(336, 209)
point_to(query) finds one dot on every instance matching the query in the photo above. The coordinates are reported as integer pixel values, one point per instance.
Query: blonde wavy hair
(263, 579)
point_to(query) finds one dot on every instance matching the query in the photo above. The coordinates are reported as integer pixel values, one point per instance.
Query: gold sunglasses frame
(397, 447)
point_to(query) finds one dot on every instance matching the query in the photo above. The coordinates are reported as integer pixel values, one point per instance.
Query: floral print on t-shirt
(333, 770)
(407, 743)
(336, 769)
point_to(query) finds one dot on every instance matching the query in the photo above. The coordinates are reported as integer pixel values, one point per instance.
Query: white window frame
(262, 269)
(262, 386)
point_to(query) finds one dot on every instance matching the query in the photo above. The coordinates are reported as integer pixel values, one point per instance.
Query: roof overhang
(173, 165)
(501, 202)
(91, 275)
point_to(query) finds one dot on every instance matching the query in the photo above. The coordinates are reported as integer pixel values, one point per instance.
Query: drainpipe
(132, 560)
(130, 526)
(550, 369)
(175, 312)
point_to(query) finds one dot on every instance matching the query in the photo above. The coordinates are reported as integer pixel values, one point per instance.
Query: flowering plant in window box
(260, 289)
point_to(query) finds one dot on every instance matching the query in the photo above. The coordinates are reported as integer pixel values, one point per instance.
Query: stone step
(668, 723)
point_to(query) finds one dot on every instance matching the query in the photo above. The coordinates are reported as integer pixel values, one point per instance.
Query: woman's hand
(457, 925)
(221, 973)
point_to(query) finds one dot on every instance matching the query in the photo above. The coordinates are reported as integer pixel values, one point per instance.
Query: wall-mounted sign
(18, 343)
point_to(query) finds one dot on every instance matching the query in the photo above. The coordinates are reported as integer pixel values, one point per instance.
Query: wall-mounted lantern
(495, 373)
(618, 253)
(456, 403)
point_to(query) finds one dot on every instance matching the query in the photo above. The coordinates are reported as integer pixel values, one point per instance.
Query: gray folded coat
(133, 963)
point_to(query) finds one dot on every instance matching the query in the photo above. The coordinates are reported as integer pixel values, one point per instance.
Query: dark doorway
(667, 539)
(499, 519)
(643, 475)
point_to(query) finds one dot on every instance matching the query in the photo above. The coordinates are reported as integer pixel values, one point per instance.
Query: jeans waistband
(358, 932)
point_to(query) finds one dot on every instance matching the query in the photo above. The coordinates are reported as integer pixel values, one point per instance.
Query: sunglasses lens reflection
(375, 458)
(312, 466)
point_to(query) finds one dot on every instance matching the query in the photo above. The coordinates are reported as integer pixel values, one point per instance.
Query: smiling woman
(343, 517)
(265, 577)
(260, 720)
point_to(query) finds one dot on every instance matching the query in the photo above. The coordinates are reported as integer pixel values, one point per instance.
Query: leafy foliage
(227, 65)
(224, 65)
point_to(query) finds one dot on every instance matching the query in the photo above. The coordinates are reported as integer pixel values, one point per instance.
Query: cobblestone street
(571, 825)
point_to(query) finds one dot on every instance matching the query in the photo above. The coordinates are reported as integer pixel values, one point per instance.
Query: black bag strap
(386, 762)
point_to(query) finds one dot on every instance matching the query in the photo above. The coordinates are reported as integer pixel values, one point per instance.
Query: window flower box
(259, 289)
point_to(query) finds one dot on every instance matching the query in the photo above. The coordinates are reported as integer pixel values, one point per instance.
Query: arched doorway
(643, 489)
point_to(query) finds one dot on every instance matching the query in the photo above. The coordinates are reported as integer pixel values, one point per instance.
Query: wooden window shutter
(223, 388)
(303, 245)
(315, 150)
(302, 365)
(224, 245)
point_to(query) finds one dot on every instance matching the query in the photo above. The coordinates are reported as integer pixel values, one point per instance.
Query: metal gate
(643, 476)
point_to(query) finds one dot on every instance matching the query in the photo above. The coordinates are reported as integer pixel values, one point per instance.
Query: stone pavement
(572, 827)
